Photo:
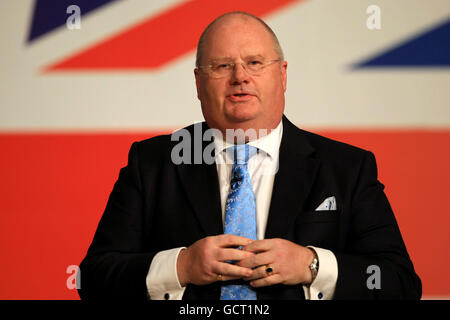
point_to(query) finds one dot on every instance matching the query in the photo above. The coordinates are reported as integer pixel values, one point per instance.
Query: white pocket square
(328, 204)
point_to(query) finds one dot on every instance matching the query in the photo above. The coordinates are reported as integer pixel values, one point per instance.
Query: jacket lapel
(201, 185)
(296, 174)
(293, 181)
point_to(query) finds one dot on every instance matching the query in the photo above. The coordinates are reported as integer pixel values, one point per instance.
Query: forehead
(237, 36)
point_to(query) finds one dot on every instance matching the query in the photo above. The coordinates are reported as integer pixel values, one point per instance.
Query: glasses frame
(208, 68)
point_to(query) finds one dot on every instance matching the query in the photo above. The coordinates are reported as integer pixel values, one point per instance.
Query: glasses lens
(220, 69)
(254, 66)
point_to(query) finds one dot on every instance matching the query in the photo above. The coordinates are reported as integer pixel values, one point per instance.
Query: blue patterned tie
(240, 213)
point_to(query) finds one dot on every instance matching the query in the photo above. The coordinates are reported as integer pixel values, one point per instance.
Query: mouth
(239, 97)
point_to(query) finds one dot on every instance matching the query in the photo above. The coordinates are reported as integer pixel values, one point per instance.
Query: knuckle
(221, 254)
(209, 240)
(209, 272)
(278, 254)
(227, 239)
(278, 241)
(203, 250)
(206, 255)
(246, 255)
(256, 260)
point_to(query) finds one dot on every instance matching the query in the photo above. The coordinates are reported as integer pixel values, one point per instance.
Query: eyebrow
(228, 58)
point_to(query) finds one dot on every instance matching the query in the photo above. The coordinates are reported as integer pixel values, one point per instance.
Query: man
(319, 220)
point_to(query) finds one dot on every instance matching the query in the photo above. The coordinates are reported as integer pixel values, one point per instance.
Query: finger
(228, 278)
(231, 240)
(232, 254)
(257, 260)
(231, 270)
(259, 246)
(258, 273)
(266, 281)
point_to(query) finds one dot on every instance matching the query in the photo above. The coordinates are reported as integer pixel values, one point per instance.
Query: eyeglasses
(253, 67)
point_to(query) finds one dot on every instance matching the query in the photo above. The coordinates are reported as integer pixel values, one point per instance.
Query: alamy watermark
(191, 149)
(373, 22)
(374, 280)
(74, 279)
(74, 20)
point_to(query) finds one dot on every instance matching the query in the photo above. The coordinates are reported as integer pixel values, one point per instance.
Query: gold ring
(219, 277)
(269, 270)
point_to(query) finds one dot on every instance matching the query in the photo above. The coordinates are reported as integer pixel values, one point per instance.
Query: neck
(242, 135)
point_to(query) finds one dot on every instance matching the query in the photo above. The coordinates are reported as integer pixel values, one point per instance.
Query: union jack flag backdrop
(73, 100)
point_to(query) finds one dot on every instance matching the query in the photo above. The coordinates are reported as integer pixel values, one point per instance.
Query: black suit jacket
(156, 205)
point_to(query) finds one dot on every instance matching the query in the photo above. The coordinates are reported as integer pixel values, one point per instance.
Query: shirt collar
(269, 143)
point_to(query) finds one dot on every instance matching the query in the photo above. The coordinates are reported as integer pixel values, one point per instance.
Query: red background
(54, 188)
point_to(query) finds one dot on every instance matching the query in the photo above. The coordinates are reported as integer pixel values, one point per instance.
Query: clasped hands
(207, 261)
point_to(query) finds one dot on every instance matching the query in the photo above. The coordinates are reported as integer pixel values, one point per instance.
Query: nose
(239, 75)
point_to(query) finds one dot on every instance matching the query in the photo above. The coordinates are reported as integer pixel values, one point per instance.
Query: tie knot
(241, 153)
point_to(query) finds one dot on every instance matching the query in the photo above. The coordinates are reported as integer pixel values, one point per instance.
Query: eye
(254, 63)
(221, 66)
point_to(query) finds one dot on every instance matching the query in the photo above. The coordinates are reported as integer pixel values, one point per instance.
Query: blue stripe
(429, 49)
(50, 14)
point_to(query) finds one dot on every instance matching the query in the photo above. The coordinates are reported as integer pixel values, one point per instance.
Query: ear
(284, 74)
(197, 82)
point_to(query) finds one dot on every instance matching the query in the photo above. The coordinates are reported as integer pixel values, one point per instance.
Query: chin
(239, 114)
(242, 121)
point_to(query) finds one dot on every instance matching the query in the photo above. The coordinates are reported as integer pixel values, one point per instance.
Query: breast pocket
(317, 228)
(318, 216)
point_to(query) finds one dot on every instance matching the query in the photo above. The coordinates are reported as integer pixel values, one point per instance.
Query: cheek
(212, 102)
(212, 93)
(270, 93)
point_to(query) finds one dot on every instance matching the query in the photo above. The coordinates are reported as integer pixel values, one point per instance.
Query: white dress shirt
(162, 278)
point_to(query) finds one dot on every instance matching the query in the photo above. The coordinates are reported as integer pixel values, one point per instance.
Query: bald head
(240, 98)
(233, 16)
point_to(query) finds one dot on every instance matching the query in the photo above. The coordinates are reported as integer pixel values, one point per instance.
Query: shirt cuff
(324, 285)
(162, 278)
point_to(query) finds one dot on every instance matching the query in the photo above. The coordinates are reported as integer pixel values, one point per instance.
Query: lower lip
(247, 97)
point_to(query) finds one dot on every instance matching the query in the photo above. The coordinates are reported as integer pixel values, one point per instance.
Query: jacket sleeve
(375, 263)
(116, 265)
